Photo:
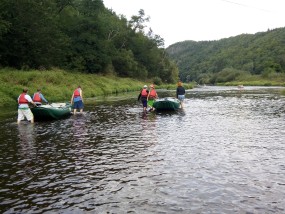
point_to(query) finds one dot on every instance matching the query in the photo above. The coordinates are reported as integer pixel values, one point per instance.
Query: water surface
(223, 153)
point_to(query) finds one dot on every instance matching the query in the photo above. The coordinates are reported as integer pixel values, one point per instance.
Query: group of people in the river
(24, 100)
(148, 97)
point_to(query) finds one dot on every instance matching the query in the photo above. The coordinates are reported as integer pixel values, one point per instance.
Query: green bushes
(157, 81)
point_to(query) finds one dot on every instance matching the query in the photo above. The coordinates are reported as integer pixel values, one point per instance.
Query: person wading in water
(77, 99)
(143, 96)
(39, 97)
(152, 96)
(180, 93)
(23, 108)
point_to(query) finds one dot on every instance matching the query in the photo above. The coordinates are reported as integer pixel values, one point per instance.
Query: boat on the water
(53, 111)
(166, 104)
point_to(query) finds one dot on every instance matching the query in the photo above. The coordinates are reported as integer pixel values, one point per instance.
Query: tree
(80, 35)
(33, 38)
(138, 22)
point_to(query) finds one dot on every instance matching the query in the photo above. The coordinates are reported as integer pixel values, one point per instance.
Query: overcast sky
(199, 20)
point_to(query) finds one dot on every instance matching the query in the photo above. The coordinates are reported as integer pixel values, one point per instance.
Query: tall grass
(58, 85)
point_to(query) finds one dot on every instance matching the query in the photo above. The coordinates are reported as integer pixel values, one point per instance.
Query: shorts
(181, 97)
(25, 113)
(78, 105)
(150, 103)
(144, 102)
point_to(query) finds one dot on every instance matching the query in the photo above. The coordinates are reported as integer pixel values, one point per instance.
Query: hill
(239, 58)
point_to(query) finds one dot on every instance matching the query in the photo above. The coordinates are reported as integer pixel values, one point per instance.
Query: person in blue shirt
(39, 97)
(77, 99)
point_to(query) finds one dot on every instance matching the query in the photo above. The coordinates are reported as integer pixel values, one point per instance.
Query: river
(223, 153)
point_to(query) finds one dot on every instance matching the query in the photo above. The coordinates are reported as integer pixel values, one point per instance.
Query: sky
(201, 20)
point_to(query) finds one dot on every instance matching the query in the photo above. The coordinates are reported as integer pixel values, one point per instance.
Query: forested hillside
(228, 59)
(81, 35)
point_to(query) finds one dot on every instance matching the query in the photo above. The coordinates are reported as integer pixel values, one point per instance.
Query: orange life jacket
(152, 93)
(22, 99)
(144, 93)
(37, 97)
(76, 93)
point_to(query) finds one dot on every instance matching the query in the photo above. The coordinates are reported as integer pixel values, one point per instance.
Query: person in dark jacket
(180, 93)
(143, 97)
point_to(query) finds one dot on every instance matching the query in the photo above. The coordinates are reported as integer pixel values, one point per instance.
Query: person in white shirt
(24, 110)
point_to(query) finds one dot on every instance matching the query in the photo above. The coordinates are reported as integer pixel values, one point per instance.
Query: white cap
(145, 86)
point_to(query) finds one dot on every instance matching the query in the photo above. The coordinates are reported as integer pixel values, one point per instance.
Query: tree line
(81, 35)
(225, 60)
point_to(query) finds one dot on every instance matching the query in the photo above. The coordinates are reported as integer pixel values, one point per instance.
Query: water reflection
(148, 124)
(222, 153)
(26, 134)
(79, 128)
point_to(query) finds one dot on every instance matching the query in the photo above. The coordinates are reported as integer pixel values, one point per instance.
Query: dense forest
(81, 35)
(210, 62)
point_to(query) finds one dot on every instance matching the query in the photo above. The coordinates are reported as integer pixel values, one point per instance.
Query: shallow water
(223, 153)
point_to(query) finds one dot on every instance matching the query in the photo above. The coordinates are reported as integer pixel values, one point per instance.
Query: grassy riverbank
(273, 79)
(58, 85)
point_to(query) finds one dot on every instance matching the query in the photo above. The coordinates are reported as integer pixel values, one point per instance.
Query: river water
(223, 153)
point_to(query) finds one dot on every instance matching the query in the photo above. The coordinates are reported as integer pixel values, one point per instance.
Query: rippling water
(223, 153)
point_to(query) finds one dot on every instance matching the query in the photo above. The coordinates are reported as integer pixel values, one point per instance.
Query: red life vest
(152, 93)
(144, 93)
(76, 93)
(22, 99)
(37, 97)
